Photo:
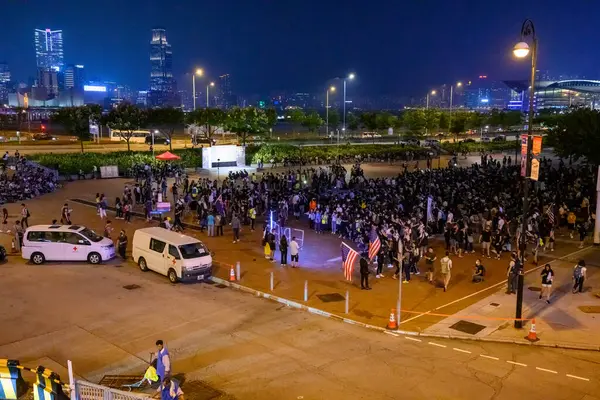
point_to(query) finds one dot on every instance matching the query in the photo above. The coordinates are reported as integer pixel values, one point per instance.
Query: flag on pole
(550, 213)
(374, 246)
(349, 257)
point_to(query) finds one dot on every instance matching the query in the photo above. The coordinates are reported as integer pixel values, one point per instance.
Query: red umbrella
(167, 156)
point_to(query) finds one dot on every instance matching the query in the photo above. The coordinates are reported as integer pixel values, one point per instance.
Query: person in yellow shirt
(571, 218)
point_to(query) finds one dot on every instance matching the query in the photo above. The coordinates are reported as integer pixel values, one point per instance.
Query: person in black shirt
(485, 239)
(547, 278)
(364, 274)
(479, 272)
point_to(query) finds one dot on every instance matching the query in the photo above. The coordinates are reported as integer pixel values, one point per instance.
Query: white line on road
(391, 333)
(490, 287)
(413, 339)
(546, 370)
(490, 357)
(578, 377)
(437, 344)
(516, 363)
(461, 350)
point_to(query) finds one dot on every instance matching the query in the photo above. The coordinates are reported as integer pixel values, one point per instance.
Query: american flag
(349, 257)
(374, 246)
(550, 213)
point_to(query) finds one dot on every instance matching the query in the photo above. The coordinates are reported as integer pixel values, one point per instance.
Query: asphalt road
(252, 348)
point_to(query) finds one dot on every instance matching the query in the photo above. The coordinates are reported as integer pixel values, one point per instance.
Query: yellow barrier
(12, 385)
(48, 385)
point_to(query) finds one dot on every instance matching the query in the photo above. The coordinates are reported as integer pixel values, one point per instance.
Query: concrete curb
(312, 310)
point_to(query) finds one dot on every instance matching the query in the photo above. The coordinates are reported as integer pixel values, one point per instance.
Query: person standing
(210, 222)
(512, 274)
(102, 206)
(364, 274)
(108, 229)
(252, 216)
(169, 390)
(430, 258)
(294, 252)
(547, 278)
(446, 268)
(65, 215)
(235, 226)
(122, 244)
(272, 245)
(219, 224)
(485, 239)
(24, 216)
(579, 274)
(18, 229)
(380, 260)
(283, 249)
(163, 361)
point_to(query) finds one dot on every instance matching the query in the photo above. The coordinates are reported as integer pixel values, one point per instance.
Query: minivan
(43, 243)
(177, 256)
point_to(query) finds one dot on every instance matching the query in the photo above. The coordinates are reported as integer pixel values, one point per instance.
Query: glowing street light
(350, 77)
(212, 84)
(198, 72)
(521, 50)
(331, 89)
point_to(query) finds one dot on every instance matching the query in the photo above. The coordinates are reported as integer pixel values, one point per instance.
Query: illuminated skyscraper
(162, 84)
(73, 77)
(49, 49)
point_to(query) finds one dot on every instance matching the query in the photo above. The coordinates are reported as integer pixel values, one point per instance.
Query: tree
(476, 120)
(369, 121)
(577, 134)
(271, 114)
(334, 119)
(312, 121)
(444, 122)
(384, 120)
(352, 121)
(459, 122)
(511, 118)
(246, 121)
(126, 119)
(295, 115)
(432, 119)
(414, 121)
(165, 120)
(76, 120)
(211, 118)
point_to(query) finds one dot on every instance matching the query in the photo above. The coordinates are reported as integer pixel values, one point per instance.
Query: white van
(65, 243)
(177, 256)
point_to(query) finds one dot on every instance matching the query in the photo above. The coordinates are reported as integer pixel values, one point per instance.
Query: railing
(89, 391)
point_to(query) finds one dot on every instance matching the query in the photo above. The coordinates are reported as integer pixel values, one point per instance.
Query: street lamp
(521, 50)
(458, 84)
(199, 72)
(212, 84)
(331, 89)
(154, 132)
(349, 77)
(433, 92)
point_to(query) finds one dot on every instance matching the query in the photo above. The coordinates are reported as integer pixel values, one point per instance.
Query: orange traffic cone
(392, 323)
(532, 336)
(231, 275)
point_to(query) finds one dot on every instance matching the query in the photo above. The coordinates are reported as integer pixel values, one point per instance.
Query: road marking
(516, 363)
(546, 370)
(391, 333)
(437, 344)
(490, 287)
(334, 259)
(413, 339)
(461, 350)
(490, 357)
(578, 377)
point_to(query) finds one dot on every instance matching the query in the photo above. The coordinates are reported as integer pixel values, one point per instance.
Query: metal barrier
(89, 391)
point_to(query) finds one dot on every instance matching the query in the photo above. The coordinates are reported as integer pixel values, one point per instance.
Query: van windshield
(193, 250)
(91, 235)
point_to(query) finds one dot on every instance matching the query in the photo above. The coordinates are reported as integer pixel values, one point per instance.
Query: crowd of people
(22, 180)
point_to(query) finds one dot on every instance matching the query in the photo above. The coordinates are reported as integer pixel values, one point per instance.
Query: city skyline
(392, 49)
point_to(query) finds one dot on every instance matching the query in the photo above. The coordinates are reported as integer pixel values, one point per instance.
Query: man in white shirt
(294, 252)
(446, 270)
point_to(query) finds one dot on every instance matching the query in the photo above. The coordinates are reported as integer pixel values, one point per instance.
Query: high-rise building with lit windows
(4, 83)
(163, 89)
(49, 49)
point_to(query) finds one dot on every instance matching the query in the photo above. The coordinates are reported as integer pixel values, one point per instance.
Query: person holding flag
(349, 256)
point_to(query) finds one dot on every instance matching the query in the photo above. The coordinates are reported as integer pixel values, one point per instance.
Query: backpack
(577, 272)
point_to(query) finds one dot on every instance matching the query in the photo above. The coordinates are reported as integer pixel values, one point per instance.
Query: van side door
(174, 261)
(156, 256)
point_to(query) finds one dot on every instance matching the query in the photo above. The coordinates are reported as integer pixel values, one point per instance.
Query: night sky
(394, 47)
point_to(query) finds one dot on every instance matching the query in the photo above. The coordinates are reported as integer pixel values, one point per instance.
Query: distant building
(4, 83)
(556, 94)
(162, 84)
(47, 80)
(142, 98)
(49, 49)
(73, 76)
(225, 97)
(485, 93)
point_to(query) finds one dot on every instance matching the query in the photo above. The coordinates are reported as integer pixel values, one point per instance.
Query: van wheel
(172, 276)
(38, 258)
(94, 258)
(142, 264)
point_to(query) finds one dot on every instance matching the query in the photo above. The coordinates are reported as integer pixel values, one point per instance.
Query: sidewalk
(570, 320)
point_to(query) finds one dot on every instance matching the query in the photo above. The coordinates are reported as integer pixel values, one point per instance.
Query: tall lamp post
(331, 89)
(349, 77)
(521, 50)
(198, 72)
(433, 92)
(212, 84)
(458, 84)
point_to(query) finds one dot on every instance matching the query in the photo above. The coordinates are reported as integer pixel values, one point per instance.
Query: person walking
(24, 216)
(446, 268)
(364, 274)
(65, 214)
(122, 244)
(294, 252)
(283, 249)
(252, 216)
(547, 278)
(579, 274)
(512, 273)
(485, 239)
(210, 222)
(163, 364)
(102, 206)
(430, 258)
(236, 226)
